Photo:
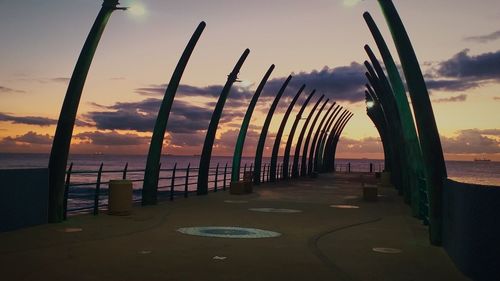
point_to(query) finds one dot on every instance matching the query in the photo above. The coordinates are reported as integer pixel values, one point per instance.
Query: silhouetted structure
(263, 133)
(288, 147)
(303, 165)
(279, 134)
(150, 186)
(238, 148)
(66, 122)
(206, 153)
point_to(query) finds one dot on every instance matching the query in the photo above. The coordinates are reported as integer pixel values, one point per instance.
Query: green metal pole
(263, 133)
(150, 185)
(238, 149)
(320, 150)
(295, 165)
(337, 136)
(411, 174)
(303, 165)
(371, 109)
(401, 99)
(65, 124)
(430, 142)
(279, 134)
(206, 154)
(329, 151)
(310, 163)
(288, 147)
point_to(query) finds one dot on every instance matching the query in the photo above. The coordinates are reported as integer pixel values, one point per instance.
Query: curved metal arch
(64, 131)
(288, 147)
(430, 142)
(295, 165)
(303, 166)
(320, 147)
(330, 142)
(379, 125)
(238, 148)
(337, 136)
(399, 92)
(315, 139)
(279, 134)
(265, 129)
(410, 172)
(206, 154)
(150, 185)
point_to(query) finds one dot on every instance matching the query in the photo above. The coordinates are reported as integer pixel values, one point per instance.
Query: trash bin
(385, 179)
(120, 197)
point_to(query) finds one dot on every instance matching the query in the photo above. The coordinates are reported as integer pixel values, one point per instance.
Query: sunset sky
(319, 42)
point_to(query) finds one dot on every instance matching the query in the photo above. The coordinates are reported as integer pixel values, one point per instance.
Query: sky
(319, 42)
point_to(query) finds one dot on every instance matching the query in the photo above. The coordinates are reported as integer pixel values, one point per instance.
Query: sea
(477, 172)
(85, 169)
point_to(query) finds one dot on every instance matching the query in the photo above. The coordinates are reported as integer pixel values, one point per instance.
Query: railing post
(66, 191)
(371, 167)
(97, 191)
(244, 169)
(172, 182)
(264, 172)
(216, 177)
(225, 177)
(125, 171)
(268, 172)
(349, 167)
(187, 181)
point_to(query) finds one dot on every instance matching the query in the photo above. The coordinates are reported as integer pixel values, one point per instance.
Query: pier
(320, 242)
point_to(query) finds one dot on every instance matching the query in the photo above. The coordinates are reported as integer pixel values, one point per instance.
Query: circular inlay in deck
(344, 206)
(349, 197)
(236, 201)
(387, 250)
(273, 210)
(228, 232)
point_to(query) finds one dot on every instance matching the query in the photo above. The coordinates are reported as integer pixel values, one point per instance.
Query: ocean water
(485, 173)
(82, 188)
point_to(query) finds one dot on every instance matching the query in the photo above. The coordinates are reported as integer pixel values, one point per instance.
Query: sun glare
(351, 3)
(137, 9)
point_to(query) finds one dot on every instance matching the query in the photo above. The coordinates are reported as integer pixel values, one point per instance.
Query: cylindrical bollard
(120, 197)
(385, 179)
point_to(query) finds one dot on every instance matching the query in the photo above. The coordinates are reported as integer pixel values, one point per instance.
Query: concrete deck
(320, 243)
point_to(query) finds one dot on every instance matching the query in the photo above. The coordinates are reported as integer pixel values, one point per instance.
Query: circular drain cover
(351, 197)
(273, 210)
(345, 206)
(228, 232)
(387, 250)
(72, 229)
(235, 201)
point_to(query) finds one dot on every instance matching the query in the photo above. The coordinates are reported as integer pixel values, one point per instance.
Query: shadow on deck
(318, 243)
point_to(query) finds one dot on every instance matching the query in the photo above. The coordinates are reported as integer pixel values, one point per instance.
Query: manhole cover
(345, 206)
(235, 201)
(72, 229)
(273, 210)
(387, 250)
(228, 232)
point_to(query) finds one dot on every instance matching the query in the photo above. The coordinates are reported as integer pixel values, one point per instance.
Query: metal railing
(89, 193)
(359, 167)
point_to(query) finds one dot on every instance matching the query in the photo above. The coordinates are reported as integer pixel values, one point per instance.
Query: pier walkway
(318, 243)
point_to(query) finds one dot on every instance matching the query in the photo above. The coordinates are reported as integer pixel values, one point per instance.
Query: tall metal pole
(150, 185)
(430, 142)
(238, 148)
(263, 133)
(206, 154)
(288, 147)
(296, 155)
(66, 122)
(303, 164)
(328, 155)
(402, 101)
(320, 147)
(279, 134)
(315, 139)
